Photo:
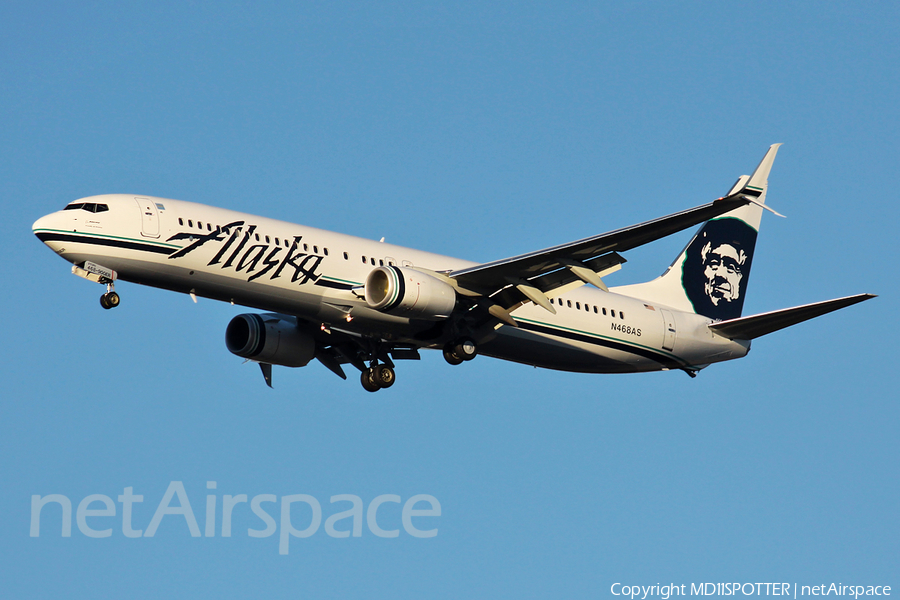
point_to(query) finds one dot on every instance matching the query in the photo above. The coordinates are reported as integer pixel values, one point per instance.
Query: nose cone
(47, 229)
(41, 224)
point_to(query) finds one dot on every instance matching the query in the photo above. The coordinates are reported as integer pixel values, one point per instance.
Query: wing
(539, 276)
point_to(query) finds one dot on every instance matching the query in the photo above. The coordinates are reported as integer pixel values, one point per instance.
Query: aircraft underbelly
(551, 352)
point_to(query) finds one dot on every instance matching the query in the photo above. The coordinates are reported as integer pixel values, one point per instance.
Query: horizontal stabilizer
(748, 328)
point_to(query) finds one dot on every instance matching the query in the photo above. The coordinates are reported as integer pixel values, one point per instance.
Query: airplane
(345, 300)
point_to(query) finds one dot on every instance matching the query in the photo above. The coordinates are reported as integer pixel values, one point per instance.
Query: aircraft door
(668, 329)
(149, 218)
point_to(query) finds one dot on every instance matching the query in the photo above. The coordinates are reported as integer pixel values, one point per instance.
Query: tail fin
(710, 275)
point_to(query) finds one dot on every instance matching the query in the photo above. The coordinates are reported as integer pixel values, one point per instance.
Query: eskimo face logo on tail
(722, 267)
(717, 268)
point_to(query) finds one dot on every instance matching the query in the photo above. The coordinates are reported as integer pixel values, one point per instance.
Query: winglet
(760, 177)
(753, 187)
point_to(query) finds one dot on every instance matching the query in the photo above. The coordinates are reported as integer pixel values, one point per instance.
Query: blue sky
(480, 130)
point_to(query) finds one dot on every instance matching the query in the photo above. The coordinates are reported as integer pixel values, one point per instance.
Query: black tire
(450, 355)
(113, 299)
(367, 378)
(104, 302)
(384, 376)
(465, 349)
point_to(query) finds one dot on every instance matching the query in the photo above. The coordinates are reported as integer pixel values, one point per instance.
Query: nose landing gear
(100, 274)
(110, 299)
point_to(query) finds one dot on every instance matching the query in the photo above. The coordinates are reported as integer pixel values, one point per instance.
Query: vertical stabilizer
(711, 274)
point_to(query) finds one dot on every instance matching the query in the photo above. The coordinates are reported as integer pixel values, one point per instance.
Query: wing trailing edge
(538, 275)
(754, 326)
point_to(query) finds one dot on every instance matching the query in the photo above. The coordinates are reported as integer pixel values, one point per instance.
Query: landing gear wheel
(109, 300)
(451, 356)
(367, 378)
(384, 376)
(465, 349)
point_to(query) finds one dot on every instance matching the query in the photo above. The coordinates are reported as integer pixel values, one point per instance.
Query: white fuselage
(309, 273)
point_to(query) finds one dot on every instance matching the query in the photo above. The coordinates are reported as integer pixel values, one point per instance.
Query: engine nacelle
(409, 293)
(270, 338)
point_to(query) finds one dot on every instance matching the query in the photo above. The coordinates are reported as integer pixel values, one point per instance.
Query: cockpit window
(88, 206)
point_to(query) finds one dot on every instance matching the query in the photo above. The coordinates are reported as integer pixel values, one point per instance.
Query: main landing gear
(458, 352)
(377, 377)
(380, 372)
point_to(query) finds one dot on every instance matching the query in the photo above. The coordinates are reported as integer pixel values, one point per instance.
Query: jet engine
(270, 338)
(409, 293)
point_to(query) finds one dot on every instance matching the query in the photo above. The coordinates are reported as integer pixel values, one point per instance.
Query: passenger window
(380, 263)
(190, 223)
(267, 239)
(364, 259)
(180, 221)
(325, 250)
(256, 235)
(199, 224)
(569, 303)
(621, 315)
(315, 249)
(612, 313)
(604, 312)
(305, 248)
(578, 305)
(595, 310)
(277, 242)
(372, 260)
(346, 256)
